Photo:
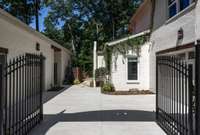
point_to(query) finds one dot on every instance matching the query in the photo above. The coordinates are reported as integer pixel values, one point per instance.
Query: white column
(94, 62)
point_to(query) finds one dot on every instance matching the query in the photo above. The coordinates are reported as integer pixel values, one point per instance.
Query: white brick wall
(19, 39)
(119, 71)
(100, 61)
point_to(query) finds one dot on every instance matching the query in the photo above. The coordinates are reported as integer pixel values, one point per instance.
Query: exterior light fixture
(180, 34)
(37, 47)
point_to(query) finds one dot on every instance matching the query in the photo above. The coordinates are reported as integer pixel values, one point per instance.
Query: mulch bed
(130, 92)
(55, 89)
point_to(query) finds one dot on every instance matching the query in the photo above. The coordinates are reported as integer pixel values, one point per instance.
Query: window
(172, 8)
(132, 68)
(176, 6)
(184, 4)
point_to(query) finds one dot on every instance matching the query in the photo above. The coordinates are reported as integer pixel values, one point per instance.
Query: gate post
(1, 99)
(197, 83)
(41, 85)
(190, 104)
(156, 88)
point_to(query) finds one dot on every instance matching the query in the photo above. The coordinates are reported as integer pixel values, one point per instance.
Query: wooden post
(94, 62)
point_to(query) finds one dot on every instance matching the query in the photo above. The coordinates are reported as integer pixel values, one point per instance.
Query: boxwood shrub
(108, 87)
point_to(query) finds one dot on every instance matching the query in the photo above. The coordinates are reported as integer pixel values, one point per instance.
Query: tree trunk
(73, 46)
(37, 14)
(26, 12)
(113, 28)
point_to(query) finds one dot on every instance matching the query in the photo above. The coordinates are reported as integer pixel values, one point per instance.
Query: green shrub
(108, 87)
(76, 81)
(101, 72)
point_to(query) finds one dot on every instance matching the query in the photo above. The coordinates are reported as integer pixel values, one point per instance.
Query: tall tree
(81, 18)
(24, 10)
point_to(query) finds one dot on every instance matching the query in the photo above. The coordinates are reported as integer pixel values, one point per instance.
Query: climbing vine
(122, 47)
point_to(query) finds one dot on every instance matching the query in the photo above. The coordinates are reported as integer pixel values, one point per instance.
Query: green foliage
(101, 72)
(135, 42)
(22, 9)
(76, 82)
(108, 87)
(122, 47)
(84, 21)
(53, 33)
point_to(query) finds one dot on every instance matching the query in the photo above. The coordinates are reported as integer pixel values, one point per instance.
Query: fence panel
(23, 107)
(174, 108)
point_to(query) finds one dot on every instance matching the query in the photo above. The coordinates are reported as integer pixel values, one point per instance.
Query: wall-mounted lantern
(180, 34)
(37, 47)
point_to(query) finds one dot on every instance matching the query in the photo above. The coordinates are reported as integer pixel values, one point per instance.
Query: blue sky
(43, 14)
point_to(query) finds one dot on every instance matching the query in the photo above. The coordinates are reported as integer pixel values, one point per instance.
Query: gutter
(127, 38)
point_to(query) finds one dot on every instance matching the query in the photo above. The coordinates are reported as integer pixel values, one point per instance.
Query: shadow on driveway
(94, 116)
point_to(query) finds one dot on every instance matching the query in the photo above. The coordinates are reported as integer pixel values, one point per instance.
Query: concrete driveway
(85, 111)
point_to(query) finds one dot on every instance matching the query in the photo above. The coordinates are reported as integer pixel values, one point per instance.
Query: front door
(55, 74)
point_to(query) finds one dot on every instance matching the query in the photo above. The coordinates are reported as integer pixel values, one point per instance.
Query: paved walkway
(84, 111)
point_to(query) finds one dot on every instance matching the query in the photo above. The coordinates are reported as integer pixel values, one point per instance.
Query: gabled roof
(13, 20)
(115, 42)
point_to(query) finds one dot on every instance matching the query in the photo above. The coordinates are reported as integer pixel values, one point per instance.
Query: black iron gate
(175, 95)
(21, 94)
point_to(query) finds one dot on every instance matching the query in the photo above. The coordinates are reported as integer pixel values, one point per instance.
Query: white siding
(19, 41)
(119, 71)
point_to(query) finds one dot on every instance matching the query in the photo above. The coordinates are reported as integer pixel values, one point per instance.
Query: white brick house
(175, 29)
(16, 38)
(130, 70)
